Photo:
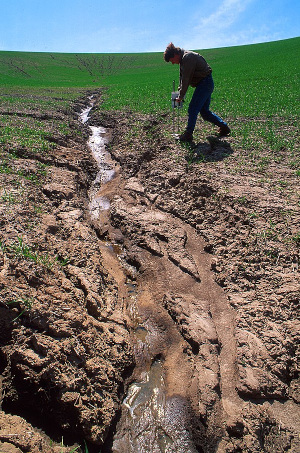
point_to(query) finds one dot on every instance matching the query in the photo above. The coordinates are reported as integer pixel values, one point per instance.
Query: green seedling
(63, 446)
(296, 238)
(24, 250)
(24, 303)
(46, 261)
(253, 215)
(242, 200)
(62, 261)
(37, 209)
(8, 197)
(5, 168)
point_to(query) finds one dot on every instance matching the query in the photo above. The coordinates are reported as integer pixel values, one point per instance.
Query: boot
(187, 136)
(224, 130)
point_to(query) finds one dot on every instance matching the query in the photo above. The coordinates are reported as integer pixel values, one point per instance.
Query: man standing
(195, 71)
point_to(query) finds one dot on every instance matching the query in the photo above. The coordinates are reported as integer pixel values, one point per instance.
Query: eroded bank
(145, 332)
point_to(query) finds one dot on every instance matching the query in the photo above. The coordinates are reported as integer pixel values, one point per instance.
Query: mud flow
(151, 420)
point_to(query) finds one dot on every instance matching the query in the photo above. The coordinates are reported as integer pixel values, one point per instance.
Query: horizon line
(150, 52)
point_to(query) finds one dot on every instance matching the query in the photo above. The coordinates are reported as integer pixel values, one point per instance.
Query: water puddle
(149, 392)
(141, 333)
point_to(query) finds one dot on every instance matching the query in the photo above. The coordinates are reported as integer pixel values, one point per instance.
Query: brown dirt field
(194, 267)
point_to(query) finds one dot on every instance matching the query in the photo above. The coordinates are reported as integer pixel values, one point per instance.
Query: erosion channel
(146, 334)
(182, 394)
(157, 413)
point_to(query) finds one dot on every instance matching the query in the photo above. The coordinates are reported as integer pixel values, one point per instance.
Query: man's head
(172, 54)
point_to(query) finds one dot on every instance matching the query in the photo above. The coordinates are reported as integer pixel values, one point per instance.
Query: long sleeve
(193, 68)
(186, 73)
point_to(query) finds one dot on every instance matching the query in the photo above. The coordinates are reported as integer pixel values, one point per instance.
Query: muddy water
(96, 143)
(84, 114)
(106, 171)
(151, 421)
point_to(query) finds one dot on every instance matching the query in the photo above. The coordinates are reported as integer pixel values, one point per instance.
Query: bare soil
(202, 258)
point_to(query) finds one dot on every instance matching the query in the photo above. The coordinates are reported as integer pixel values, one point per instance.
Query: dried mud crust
(216, 272)
(250, 227)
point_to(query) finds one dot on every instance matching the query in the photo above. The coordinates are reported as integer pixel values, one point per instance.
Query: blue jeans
(200, 104)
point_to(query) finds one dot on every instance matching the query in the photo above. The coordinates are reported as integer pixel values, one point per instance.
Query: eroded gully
(182, 390)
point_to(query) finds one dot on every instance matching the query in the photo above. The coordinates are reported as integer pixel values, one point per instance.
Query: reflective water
(151, 422)
(149, 391)
(84, 115)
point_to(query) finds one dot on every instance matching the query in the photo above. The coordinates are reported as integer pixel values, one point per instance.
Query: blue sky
(143, 26)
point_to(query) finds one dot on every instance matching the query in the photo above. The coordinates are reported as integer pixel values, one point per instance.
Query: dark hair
(171, 51)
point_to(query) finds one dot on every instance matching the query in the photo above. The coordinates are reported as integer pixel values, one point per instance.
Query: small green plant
(46, 261)
(8, 197)
(42, 168)
(3, 246)
(37, 209)
(62, 261)
(69, 451)
(283, 183)
(5, 168)
(273, 254)
(296, 238)
(24, 250)
(242, 200)
(24, 303)
(253, 215)
(27, 252)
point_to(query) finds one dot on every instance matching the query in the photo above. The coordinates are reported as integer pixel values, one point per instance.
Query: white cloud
(216, 29)
(227, 13)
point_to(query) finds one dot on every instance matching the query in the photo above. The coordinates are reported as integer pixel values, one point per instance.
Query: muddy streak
(151, 420)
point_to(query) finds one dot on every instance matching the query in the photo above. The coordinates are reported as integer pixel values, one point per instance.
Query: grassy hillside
(250, 80)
